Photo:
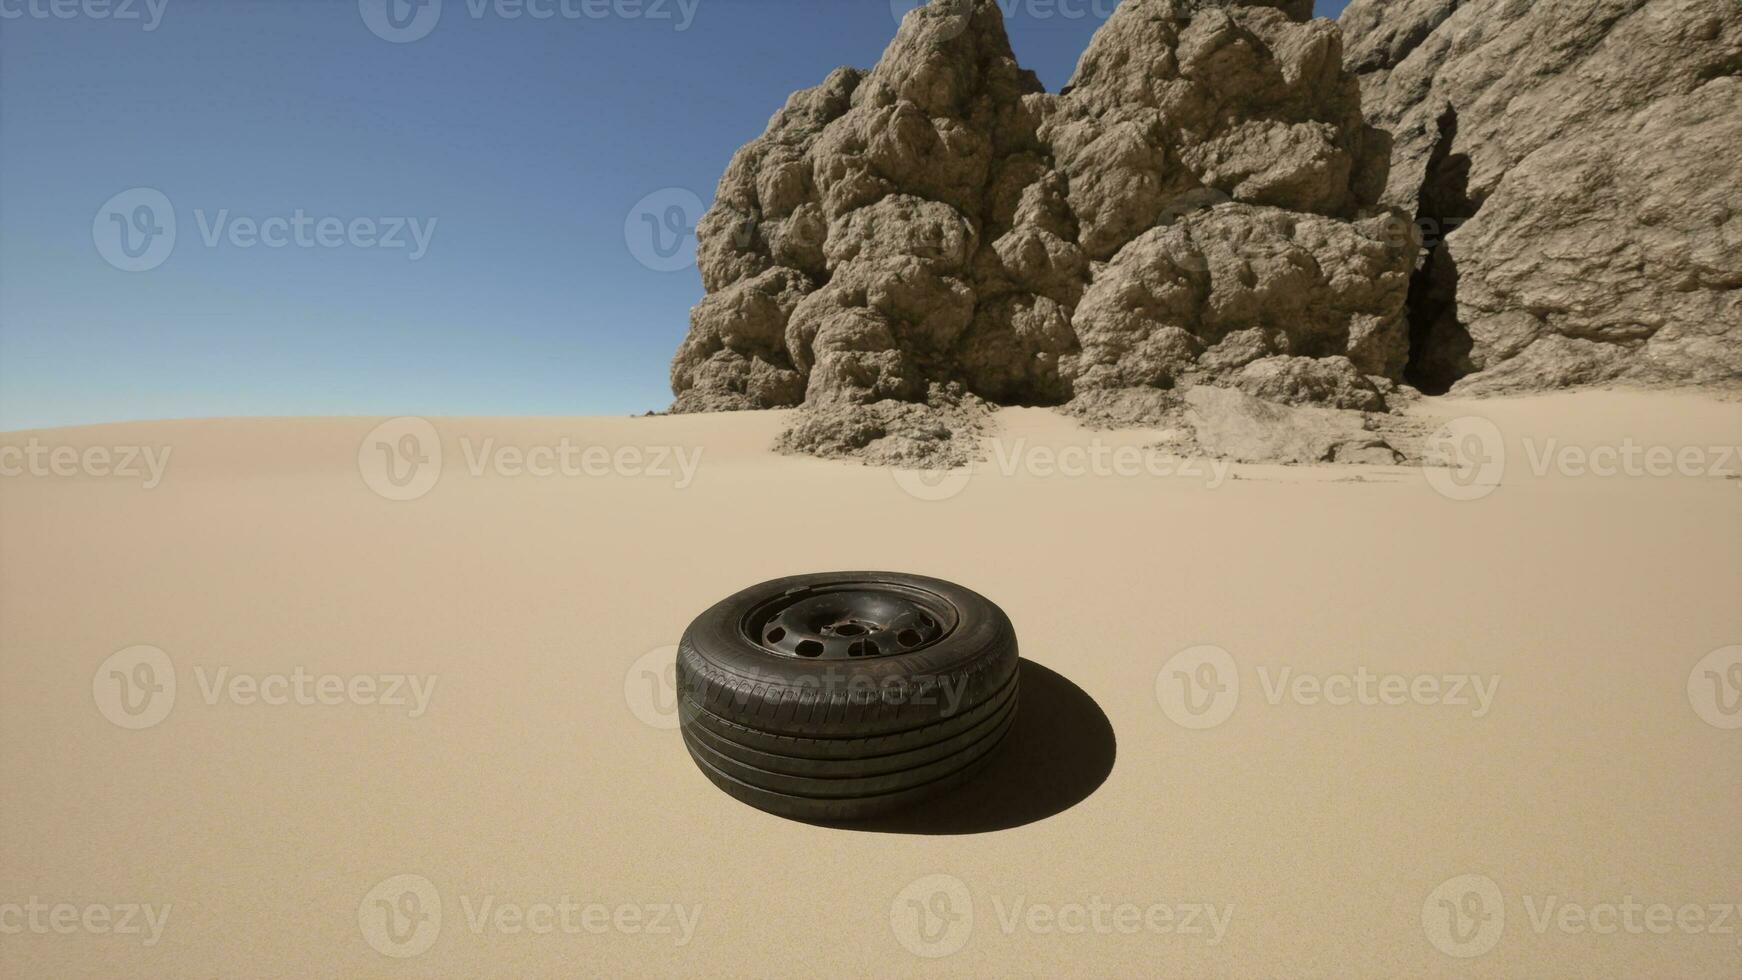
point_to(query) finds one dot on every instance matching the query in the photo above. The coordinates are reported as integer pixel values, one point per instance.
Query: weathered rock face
(1217, 289)
(1197, 206)
(1585, 157)
(1207, 205)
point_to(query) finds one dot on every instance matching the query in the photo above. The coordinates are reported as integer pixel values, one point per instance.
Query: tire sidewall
(718, 664)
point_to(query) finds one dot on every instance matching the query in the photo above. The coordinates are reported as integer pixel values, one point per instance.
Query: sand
(494, 734)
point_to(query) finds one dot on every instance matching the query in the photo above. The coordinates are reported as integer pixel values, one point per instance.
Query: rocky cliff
(1576, 166)
(1207, 203)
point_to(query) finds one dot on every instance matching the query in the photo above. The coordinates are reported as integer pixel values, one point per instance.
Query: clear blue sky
(527, 141)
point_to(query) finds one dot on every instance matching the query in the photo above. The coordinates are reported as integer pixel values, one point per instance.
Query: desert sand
(492, 652)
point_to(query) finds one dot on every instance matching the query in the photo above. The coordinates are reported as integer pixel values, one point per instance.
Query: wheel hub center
(849, 622)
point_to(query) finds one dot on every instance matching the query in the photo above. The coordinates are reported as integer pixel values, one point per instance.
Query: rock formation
(1577, 169)
(1197, 205)
(1206, 204)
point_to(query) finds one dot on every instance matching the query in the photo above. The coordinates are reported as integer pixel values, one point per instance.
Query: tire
(844, 695)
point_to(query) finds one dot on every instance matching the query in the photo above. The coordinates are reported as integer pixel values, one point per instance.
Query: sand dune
(1529, 686)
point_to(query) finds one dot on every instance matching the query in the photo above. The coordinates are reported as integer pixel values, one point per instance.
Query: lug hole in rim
(848, 620)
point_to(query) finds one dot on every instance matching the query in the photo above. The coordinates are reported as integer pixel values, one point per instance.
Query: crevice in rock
(1439, 345)
(1428, 27)
(1405, 44)
(1728, 68)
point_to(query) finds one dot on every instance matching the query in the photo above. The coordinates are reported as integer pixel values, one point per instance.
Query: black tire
(843, 695)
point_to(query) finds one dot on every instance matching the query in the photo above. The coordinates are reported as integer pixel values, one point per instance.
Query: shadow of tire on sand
(1060, 749)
